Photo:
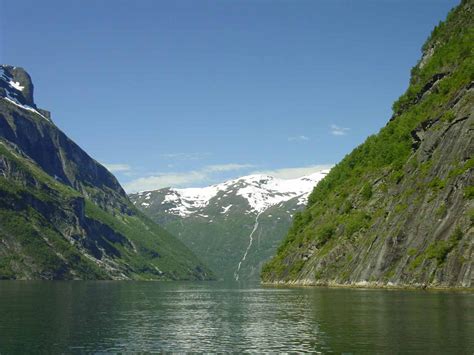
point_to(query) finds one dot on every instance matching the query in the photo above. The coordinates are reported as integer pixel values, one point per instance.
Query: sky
(187, 93)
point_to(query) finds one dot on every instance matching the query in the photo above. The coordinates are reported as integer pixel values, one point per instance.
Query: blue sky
(188, 93)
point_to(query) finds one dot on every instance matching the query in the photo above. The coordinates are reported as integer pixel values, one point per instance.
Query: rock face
(62, 214)
(399, 210)
(16, 84)
(235, 226)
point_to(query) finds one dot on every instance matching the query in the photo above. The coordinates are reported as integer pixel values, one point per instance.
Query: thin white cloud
(211, 173)
(178, 179)
(226, 167)
(117, 168)
(185, 156)
(293, 173)
(165, 180)
(339, 131)
(298, 139)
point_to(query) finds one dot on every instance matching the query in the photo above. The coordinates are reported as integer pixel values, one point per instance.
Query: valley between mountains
(234, 226)
(397, 211)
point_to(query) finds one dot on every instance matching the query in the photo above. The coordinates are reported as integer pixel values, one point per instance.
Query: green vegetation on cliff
(62, 214)
(50, 231)
(396, 209)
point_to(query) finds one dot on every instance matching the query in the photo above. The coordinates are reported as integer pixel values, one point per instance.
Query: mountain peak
(261, 191)
(17, 87)
(18, 83)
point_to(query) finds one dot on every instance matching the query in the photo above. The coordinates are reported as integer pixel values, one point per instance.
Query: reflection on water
(150, 316)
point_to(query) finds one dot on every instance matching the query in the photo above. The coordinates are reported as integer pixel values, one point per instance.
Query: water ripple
(110, 317)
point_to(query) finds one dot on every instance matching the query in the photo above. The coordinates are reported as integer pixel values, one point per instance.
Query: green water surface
(109, 316)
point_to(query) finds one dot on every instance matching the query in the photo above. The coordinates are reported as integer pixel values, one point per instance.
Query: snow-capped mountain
(233, 226)
(259, 191)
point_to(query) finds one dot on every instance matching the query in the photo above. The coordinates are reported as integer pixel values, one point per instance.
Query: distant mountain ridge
(221, 222)
(65, 216)
(260, 190)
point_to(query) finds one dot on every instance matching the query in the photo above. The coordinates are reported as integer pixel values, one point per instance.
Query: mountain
(234, 226)
(398, 210)
(62, 214)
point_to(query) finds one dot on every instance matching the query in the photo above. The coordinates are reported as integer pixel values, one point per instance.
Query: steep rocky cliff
(399, 209)
(62, 214)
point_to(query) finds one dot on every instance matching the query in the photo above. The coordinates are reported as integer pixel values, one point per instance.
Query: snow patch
(225, 209)
(25, 107)
(261, 192)
(16, 85)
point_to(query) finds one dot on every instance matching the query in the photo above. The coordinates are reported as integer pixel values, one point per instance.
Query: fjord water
(53, 317)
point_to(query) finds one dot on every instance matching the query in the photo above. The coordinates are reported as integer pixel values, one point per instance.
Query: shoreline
(373, 285)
